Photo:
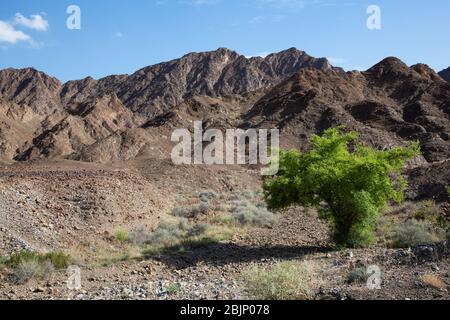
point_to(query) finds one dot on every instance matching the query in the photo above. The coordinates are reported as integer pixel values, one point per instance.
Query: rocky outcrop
(445, 74)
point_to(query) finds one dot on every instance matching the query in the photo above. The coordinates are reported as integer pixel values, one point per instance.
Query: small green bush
(121, 235)
(17, 258)
(413, 232)
(197, 230)
(3, 261)
(173, 288)
(28, 269)
(59, 259)
(358, 275)
(28, 264)
(191, 212)
(283, 281)
(168, 234)
(246, 213)
(207, 196)
(139, 236)
(428, 210)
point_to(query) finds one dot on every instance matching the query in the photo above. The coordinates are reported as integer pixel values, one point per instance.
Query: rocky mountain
(61, 118)
(123, 117)
(157, 88)
(445, 74)
(29, 88)
(388, 104)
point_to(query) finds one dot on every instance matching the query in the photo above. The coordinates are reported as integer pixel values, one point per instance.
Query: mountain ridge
(121, 117)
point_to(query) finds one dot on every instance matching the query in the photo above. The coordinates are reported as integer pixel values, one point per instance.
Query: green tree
(349, 183)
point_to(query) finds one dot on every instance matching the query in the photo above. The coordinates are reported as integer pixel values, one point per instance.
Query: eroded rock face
(29, 88)
(445, 74)
(157, 88)
(42, 118)
(389, 104)
(122, 117)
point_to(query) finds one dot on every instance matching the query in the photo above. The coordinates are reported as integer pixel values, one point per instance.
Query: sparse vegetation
(283, 281)
(207, 196)
(355, 184)
(28, 264)
(139, 236)
(191, 212)
(246, 213)
(429, 211)
(121, 235)
(3, 261)
(28, 269)
(358, 275)
(169, 233)
(173, 288)
(59, 259)
(178, 235)
(413, 232)
(433, 281)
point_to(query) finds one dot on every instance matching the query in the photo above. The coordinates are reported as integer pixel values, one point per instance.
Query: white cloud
(10, 35)
(35, 22)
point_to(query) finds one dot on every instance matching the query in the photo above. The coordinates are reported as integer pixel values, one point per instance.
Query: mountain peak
(389, 67)
(445, 74)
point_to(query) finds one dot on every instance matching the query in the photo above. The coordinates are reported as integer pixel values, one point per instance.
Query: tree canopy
(348, 182)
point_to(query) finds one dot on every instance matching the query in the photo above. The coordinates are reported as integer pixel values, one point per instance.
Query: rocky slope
(123, 117)
(445, 74)
(389, 104)
(43, 118)
(157, 88)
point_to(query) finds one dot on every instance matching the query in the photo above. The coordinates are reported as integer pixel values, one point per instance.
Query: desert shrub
(3, 261)
(178, 235)
(17, 258)
(246, 213)
(413, 232)
(358, 275)
(433, 281)
(139, 236)
(121, 235)
(354, 182)
(28, 269)
(282, 281)
(428, 210)
(244, 195)
(191, 212)
(172, 233)
(59, 259)
(206, 196)
(28, 264)
(168, 234)
(197, 230)
(172, 288)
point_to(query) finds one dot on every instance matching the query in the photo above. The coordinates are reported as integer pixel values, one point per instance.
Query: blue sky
(124, 36)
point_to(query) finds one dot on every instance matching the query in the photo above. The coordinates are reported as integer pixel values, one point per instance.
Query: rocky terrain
(445, 74)
(82, 160)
